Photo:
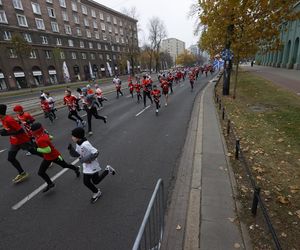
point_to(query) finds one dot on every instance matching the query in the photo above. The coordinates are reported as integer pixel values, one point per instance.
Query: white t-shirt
(85, 149)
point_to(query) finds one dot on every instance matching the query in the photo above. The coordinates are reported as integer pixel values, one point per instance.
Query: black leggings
(13, 151)
(92, 112)
(139, 96)
(90, 180)
(45, 164)
(74, 113)
(144, 96)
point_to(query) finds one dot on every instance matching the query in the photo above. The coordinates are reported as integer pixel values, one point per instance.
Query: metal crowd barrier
(150, 233)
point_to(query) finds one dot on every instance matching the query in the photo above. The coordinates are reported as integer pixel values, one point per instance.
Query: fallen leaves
(237, 245)
(294, 189)
(178, 227)
(298, 213)
(283, 200)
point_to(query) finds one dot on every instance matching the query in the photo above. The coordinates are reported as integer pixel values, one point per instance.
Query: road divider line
(39, 189)
(1, 151)
(142, 110)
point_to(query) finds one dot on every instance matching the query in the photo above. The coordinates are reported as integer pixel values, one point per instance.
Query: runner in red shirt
(156, 96)
(146, 84)
(50, 154)
(165, 89)
(72, 102)
(131, 88)
(18, 140)
(138, 87)
(25, 119)
(192, 80)
(170, 79)
(99, 95)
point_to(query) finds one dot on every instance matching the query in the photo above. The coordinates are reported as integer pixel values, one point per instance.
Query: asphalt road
(142, 148)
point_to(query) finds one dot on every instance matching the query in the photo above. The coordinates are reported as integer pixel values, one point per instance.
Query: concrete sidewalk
(202, 213)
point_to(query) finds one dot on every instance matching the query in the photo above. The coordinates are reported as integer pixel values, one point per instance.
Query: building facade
(173, 46)
(289, 55)
(44, 42)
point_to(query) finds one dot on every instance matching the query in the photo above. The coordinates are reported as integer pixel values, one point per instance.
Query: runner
(146, 84)
(130, 86)
(156, 96)
(170, 80)
(138, 87)
(18, 140)
(50, 154)
(117, 82)
(91, 110)
(99, 95)
(72, 103)
(165, 90)
(51, 102)
(192, 80)
(46, 108)
(25, 119)
(88, 157)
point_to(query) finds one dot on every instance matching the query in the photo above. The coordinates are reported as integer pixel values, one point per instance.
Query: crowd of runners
(27, 134)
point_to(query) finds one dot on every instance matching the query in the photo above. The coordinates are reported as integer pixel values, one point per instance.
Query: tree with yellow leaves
(186, 59)
(243, 26)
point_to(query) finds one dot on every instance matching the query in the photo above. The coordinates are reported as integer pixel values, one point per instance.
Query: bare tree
(157, 32)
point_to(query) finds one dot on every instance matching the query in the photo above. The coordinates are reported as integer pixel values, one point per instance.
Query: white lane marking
(142, 110)
(39, 189)
(1, 151)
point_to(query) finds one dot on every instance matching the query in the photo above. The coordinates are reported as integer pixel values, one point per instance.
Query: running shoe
(90, 133)
(28, 153)
(105, 119)
(77, 172)
(49, 186)
(110, 169)
(96, 196)
(20, 177)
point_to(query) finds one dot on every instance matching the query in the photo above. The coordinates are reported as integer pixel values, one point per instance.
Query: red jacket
(71, 101)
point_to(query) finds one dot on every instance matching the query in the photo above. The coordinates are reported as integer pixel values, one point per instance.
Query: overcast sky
(172, 12)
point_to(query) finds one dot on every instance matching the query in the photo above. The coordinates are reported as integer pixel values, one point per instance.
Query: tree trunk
(236, 77)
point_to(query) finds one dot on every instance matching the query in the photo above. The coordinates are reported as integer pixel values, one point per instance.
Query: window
(90, 45)
(97, 36)
(121, 32)
(92, 56)
(76, 18)
(115, 20)
(64, 15)
(117, 39)
(12, 53)
(6, 35)
(81, 44)
(0, 2)
(119, 49)
(93, 12)
(86, 22)
(51, 12)
(27, 37)
(95, 25)
(105, 47)
(48, 54)
(78, 31)
(101, 56)
(36, 8)
(104, 37)
(74, 6)
(68, 29)
(49, 1)
(114, 57)
(62, 3)
(22, 20)
(44, 40)
(101, 16)
(32, 54)
(122, 39)
(108, 18)
(113, 48)
(83, 55)
(121, 24)
(3, 18)
(18, 4)
(73, 54)
(84, 9)
(58, 41)
(116, 30)
(103, 26)
(98, 46)
(107, 57)
(62, 55)
(54, 27)
(71, 43)
(109, 29)
(88, 34)
(39, 24)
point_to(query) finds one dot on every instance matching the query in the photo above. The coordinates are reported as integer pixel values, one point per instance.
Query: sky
(173, 13)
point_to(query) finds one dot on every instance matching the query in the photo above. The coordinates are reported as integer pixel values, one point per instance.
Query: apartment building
(173, 46)
(44, 42)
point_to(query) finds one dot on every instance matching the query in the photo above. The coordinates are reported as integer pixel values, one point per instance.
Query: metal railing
(239, 155)
(151, 230)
